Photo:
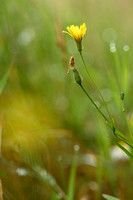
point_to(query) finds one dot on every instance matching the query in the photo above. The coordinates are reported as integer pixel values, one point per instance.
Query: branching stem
(116, 132)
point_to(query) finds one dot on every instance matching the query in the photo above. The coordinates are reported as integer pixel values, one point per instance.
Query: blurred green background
(46, 120)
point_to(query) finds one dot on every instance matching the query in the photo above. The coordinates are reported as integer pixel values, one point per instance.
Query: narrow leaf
(70, 193)
(108, 197)
(123, 149)
(121, 134)
(4, 80)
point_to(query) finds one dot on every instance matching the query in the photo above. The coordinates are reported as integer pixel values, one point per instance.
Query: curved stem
(96, 87)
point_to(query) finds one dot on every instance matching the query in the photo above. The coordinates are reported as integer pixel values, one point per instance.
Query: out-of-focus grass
(44, 114)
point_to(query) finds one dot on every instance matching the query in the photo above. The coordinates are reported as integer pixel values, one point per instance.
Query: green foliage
(108, 197)
(123, 149)
(43, 114)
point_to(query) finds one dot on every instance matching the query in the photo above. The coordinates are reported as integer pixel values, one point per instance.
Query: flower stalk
(77, 33)
(96, 86)
(116, 132)
(78, 80)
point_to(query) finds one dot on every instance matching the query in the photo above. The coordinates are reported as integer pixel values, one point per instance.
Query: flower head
(77, 33)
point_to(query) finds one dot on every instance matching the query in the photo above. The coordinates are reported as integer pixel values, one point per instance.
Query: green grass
(44, 114)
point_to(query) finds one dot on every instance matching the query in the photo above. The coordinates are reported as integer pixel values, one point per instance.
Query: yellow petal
(77, 32)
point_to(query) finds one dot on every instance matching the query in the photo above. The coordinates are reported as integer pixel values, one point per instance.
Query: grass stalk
(70, 193)
(96, 86)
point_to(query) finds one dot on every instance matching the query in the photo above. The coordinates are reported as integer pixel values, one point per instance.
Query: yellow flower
(77, 33)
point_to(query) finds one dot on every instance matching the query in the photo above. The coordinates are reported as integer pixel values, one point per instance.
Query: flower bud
(75, 72)
(77, 77)
(122, 95)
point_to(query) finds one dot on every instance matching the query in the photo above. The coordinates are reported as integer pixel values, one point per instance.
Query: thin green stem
(116, 132)
(94, 104)
(125, 118)
(96, 87)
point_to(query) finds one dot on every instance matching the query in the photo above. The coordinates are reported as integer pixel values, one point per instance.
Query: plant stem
(125, 118)
(96, 87)
(94, 104)
(116, 132)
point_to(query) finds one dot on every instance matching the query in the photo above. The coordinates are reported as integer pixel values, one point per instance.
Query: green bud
(122, 95)
(77, 77)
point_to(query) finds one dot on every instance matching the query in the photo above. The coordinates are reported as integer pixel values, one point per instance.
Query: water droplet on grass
(21, 172)
(126, 48)
(76, 147)
(112, 47)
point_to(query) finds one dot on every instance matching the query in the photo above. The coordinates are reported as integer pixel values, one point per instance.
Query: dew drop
(126, 48)
(21, 172)
(76, 147)
(112, 47)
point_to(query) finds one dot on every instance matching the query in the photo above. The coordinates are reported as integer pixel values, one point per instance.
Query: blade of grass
(1, 190)
(4, 79)
(55, 196)
(123, 149)
(44, 176)
(70, 193)
(108, 197)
